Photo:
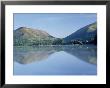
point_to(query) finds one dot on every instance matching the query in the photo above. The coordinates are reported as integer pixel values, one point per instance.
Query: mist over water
(55, 60)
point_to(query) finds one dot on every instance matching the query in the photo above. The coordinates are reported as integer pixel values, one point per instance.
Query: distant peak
(26, 28)
(22, 28)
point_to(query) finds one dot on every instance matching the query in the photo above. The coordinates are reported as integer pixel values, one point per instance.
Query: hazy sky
(56, 24)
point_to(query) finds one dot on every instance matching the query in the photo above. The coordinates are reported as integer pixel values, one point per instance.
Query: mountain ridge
(85, 33)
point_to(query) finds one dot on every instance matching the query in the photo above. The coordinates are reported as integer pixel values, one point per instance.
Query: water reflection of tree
(25, 55)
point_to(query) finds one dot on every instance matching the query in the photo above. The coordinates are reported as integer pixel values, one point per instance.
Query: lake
(55, 60)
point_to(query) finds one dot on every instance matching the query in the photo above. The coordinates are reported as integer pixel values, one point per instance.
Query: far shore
(75, 45)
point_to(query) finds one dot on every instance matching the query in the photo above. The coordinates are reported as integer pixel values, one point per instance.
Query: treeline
(23, 42)
(56, 41)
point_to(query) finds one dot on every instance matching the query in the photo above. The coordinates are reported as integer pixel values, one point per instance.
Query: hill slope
(28, 36)
(85, 34)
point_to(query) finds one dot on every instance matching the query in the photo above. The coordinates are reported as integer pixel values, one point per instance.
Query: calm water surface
(55, 60)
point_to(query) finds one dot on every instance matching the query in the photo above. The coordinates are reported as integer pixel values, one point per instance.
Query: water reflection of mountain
(88, 54)
(26, 55)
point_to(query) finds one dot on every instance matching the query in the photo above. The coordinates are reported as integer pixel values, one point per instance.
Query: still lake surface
(55, 60)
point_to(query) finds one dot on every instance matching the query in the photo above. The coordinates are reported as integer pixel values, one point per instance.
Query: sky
(58, 25)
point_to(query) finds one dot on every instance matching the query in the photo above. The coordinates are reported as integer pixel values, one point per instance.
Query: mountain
(29, 36)
(87, 34)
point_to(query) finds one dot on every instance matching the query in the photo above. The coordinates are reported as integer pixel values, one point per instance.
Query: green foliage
(58, 41)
